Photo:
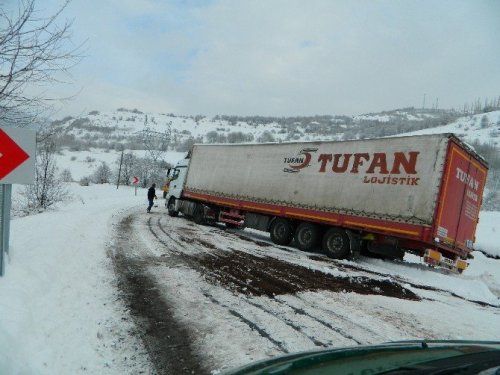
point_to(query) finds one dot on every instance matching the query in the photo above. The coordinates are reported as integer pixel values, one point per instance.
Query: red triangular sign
(11, 155)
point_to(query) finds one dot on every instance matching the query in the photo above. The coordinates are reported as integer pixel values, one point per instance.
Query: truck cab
(177, 178)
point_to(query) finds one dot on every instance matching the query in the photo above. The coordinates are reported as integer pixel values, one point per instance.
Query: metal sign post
(135, 181)
(17, 166)
(5, 202)
(2, 236)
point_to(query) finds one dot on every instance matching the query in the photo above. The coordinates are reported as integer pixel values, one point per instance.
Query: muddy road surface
(207, 299)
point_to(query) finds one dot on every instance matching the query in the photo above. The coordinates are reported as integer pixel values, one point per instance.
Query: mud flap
(355, 244)
(385, 251)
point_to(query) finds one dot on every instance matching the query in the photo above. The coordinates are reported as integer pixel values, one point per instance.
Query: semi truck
(386, 196)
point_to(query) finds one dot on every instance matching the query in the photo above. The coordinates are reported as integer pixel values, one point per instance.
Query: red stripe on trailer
(412, 231)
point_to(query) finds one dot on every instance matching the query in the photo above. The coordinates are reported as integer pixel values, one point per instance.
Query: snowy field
(84, 163)
(488, 233)
(483, 127)
(60, 314)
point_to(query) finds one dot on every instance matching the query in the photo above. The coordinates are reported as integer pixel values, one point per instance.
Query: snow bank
(488, 233)
(59, 312)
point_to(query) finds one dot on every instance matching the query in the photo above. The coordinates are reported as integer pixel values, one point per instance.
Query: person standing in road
(151, 196)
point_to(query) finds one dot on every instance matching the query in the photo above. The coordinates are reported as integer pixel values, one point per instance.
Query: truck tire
(307, 236)
(171, 207)
(281, 232)
(199, 214)
(336, 243)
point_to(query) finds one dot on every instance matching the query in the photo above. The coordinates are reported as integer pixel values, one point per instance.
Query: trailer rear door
(460, 199)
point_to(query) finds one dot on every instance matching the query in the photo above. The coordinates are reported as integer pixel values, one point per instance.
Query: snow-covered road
(241, 298)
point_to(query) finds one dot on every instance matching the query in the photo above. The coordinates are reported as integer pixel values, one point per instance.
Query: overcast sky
(281, 57)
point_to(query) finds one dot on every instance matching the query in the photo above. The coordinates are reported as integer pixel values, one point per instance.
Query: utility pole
(423, 103)
(119, 172)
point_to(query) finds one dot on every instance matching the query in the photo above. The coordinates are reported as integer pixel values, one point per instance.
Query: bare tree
(150, 171)
(102, 175)
(66, 175)
(48, 189)
(128, 165)
(33, 50)
(265, 137)
(212, 136)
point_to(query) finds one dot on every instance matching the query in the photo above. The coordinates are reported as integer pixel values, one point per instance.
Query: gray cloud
(284, 57)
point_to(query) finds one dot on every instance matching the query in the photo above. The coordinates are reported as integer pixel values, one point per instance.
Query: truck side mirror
(175, 174)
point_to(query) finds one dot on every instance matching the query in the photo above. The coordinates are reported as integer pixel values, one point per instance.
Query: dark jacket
(151, 193)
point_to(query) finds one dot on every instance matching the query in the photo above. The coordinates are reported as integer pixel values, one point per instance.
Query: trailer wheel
(281, 232)
(171, 207)
(336, 243)
(199, 214)
(307, 236)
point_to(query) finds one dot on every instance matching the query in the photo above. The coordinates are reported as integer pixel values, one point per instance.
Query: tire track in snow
(167, 340)
(288, 322)
(262, 332)
(359, 268)
(341, 332)
(253, 325)
(274, 279)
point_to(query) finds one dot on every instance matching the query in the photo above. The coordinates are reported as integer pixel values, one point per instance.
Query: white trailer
(390, 195)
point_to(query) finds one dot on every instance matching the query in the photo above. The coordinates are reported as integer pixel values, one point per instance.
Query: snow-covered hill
(124, 127)
(402, 115)
(483, 127)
